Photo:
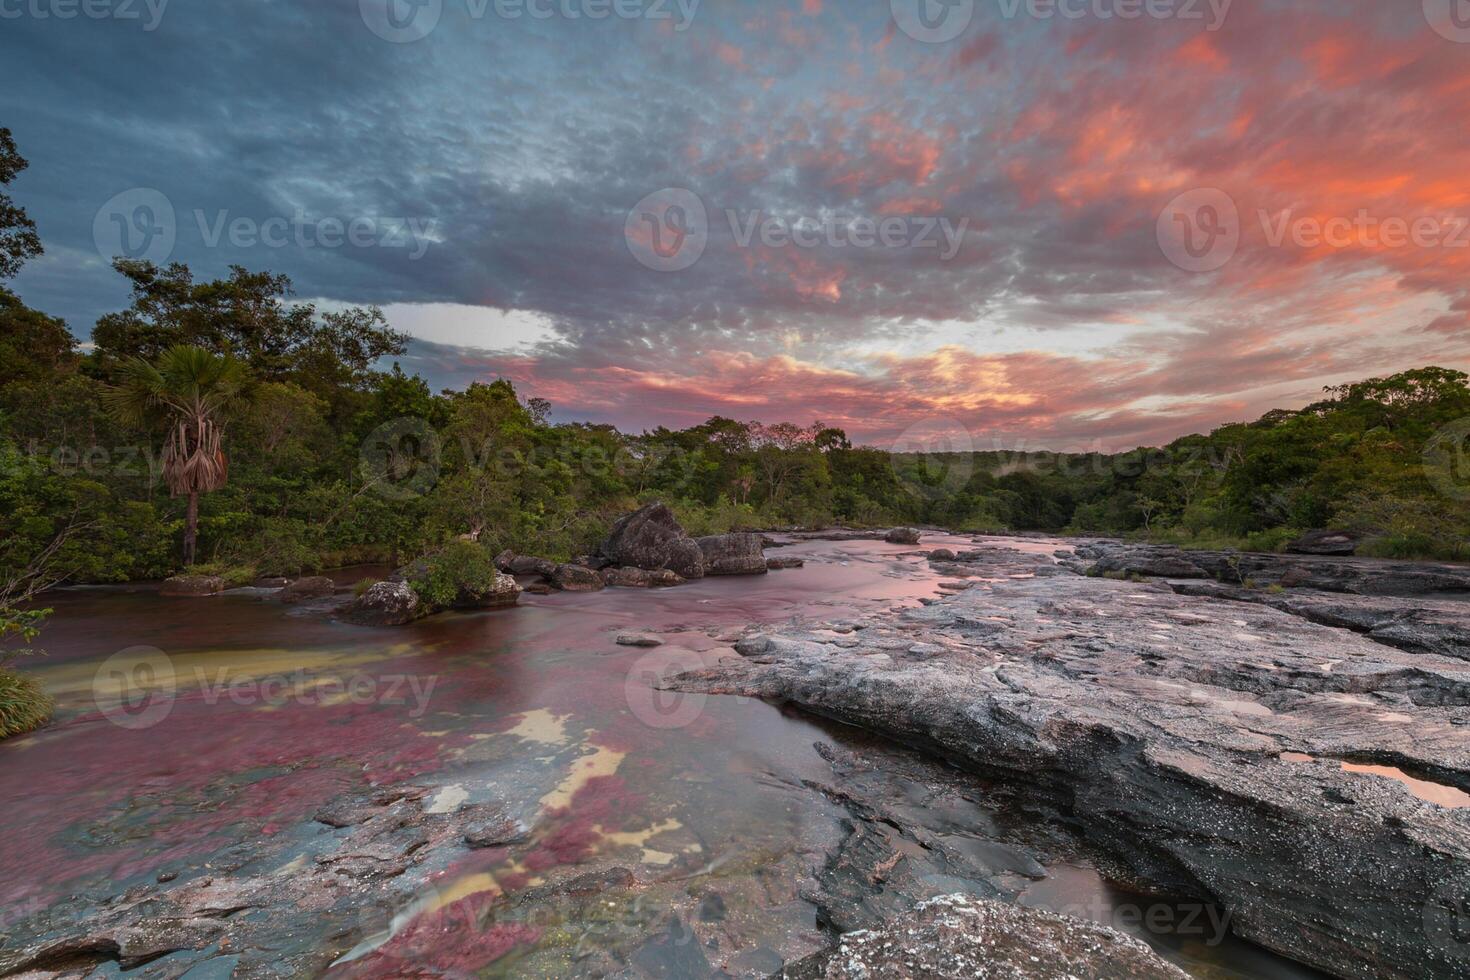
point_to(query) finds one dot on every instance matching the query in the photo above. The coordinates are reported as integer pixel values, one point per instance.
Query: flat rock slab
(958, 937)
(1160, 721)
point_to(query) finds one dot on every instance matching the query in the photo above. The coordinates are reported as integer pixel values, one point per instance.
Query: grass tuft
(24, 706)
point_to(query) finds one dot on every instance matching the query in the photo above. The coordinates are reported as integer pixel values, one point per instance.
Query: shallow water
(186, 726)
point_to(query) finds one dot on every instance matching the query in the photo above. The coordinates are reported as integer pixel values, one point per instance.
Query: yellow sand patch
(542, 726)
(602, 762)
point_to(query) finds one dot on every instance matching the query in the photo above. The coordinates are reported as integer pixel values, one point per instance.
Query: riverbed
(197, 740)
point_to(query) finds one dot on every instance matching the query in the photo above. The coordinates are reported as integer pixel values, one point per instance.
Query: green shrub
(23, 705)
(360, 589)
(458, 567)
(235, 576)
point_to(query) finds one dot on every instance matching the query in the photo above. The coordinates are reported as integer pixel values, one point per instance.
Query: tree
(18, 238)
(189, 390)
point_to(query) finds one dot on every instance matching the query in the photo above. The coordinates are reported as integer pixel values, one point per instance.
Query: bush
(458, 567)
(24, 706)
(235, 576)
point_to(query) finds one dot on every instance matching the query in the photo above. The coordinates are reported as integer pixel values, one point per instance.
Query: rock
(942, 554)
(1361, 576)
(778, 564)
(498, 594)
(306, 589)
(732, 554)
(530, 565)
(902, 535)
(958, 937)
(1325, 543)
(575, 578)
(1438, 626)
(386, 604)
(638, 640)
(651, 538)
(1158, 723)
(193, 585)
(493, 829)
(639, 578)
(503, 560)
(539, 588)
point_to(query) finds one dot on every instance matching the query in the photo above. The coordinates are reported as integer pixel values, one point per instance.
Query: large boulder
(386, 604)
(651, 538)
(902, 535)
(1342, 543)
(193, 585)
(306, 589)
(733, 554)
(575, 578)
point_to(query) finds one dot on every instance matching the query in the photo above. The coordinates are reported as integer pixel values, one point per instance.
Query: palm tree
(188, 389)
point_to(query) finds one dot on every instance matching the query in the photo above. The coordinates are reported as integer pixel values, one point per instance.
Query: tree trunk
(191, 528)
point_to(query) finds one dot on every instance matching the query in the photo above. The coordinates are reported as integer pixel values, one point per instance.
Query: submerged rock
(192, 585)
(306, 589)
(651, 538)
(733, 554)
(640, 578)
(957, 937)
(778, 564)
(638, 640)
(386, 604)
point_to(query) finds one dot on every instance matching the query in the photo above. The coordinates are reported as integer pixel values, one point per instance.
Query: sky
(1066, 224)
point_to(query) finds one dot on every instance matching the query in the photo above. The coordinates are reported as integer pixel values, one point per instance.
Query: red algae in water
(456, 940)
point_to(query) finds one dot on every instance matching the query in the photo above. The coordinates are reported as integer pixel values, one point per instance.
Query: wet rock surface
(307, 589)
(192, 585)
(956, 936)
(1164, 725)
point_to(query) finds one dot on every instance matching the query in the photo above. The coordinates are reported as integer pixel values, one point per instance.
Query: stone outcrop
(575, 578)
(193, 585)
(1201, 742)
(1325, 543)
(497, 594)
(902, 535)
(733, 554)
(780, 564)
(651, 538)
(307, 589)
(640, 578)
(1439, 626)
(386, 604)
(1360, 576)
(958, 937)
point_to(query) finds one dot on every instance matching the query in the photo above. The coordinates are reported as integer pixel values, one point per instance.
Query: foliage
(460, 567)
(23, 705)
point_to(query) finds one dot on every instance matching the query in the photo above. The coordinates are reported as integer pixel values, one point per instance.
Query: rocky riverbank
(1307, 778)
